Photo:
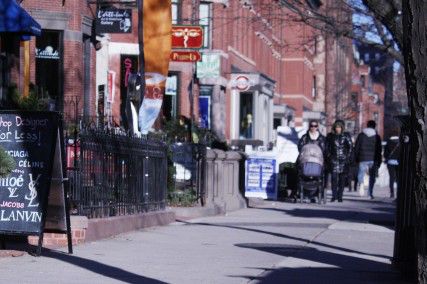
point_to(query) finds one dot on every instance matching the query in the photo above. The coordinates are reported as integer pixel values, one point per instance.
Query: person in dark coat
(315, 137)
(312, 136)
(367, 153)
(391, 156)
(339, 149)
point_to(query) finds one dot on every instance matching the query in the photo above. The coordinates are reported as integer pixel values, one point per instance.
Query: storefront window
(9, 59)
(170, 101)
(246, 116)
(205, 102)
(49, 68)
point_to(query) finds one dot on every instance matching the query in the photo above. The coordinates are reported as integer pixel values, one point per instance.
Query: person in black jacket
(312, 136)
(391, 156)
(315, 137)
(339, 149)
(368, 156)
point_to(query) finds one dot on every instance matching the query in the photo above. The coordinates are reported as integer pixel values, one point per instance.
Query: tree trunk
(415, 54)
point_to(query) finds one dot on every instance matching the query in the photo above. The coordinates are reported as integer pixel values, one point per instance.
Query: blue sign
(260, 177)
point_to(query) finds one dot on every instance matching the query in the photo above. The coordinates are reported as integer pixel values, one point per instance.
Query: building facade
(61, 60)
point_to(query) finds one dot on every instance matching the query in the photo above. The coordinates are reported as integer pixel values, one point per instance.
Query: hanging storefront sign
(185, 56)
(157, 50)
(114, 20)
(187, 37)
(244, 82)
(209, 67)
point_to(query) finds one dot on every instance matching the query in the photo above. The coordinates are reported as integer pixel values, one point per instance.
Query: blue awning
(14, 19)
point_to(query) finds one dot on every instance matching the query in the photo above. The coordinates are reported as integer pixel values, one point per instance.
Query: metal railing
(116, 174)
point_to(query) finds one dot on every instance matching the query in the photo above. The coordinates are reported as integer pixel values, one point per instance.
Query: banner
(157, 50)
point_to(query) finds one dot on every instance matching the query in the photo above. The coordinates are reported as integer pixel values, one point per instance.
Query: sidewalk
(349, 242)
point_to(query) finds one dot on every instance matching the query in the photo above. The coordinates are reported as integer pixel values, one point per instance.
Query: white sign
(47, 53)
(243, 82)
(209, 67)
(261, 177)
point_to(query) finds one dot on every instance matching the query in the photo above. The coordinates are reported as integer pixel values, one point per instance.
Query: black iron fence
(114, 174)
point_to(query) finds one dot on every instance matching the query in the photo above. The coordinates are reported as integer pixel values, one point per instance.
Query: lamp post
(141, 58)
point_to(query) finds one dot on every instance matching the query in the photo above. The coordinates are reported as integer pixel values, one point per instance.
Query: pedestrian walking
(368, 156)
(339, 149)
(312, 136)
(391, 156)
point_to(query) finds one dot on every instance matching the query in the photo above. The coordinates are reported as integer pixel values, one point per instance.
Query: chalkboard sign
(32, 139)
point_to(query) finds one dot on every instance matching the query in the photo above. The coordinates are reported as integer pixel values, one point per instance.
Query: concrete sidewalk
(349, 242)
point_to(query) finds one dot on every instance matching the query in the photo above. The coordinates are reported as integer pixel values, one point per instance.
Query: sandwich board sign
(33, 198)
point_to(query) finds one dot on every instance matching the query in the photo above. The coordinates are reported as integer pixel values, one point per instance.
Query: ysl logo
(33, 192)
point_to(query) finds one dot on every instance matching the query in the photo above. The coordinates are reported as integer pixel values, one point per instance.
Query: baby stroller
(310, 173)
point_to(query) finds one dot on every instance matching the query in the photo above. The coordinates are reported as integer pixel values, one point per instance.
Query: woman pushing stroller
(310, 162)
(339, 151)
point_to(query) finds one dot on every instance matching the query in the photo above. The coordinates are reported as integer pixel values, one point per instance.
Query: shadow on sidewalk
(100, 268)
(380, 215)
(280, 235)
(337, 268)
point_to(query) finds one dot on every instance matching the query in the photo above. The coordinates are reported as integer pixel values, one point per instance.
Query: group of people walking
(345, 160)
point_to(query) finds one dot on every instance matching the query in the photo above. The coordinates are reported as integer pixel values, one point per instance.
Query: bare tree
(398, 28)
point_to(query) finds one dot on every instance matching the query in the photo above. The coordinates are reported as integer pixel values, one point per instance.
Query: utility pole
(141, 58)
(191, 91)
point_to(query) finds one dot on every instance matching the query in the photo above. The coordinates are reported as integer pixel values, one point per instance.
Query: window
(314, 88)
(366, 57)
(170, 101)
(176, 15)
(205, 20)
(277, 122)
(49, 56)
(246, 115)
(363, 80)
(354, 99)
(376, 117)
(205, 105)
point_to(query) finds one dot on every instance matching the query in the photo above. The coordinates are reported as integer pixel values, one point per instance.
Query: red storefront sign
(187, 36)
(186, 56)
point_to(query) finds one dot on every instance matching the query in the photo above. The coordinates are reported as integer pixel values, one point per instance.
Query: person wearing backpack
(339, 148)
(391, 156)
(368, 156)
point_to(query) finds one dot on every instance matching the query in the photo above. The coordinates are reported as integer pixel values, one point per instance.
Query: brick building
(258, 70)
(61, 60)
(367, 99)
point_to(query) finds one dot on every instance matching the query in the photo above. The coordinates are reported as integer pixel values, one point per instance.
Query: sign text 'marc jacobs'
(28, 137)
